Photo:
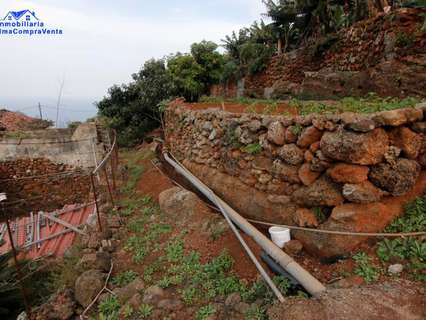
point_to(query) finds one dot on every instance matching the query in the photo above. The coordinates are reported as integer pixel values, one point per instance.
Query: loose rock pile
(344, 172)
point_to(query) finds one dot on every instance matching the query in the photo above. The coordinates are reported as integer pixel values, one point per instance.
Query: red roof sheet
(25, 231)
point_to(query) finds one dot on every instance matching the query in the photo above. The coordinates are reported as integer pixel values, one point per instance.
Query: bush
(133, 109)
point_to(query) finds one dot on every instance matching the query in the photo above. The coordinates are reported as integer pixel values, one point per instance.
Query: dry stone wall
(349, 171)
(385, 54)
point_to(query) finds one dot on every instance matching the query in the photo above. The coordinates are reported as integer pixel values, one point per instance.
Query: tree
(186, 75)
(133, 109)
(210, 61)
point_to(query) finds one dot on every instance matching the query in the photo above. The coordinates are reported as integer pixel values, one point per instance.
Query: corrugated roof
(35, 227)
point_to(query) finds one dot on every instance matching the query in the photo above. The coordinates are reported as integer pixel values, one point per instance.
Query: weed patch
(412, 250)
(364, 268)
(124, 278)
(253, 148)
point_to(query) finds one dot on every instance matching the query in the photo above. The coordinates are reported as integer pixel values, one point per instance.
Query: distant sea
(70, 109)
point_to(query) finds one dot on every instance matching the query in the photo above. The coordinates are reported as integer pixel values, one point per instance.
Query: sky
(102, 44)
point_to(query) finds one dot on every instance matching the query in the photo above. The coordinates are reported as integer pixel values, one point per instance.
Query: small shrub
(256, 313)
(414, 218)
(204, 312)
(175, 250)
(296, 129)
(364, 268)
(109, 308)
(411, 249)
(189, 295)
(145, 310)
(127, 311)
(253, 148)
(124, 278)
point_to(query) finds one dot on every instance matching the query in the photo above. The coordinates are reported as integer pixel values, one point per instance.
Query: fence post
(95, 196)
(109, 187)
(113, 168)
(18, 270)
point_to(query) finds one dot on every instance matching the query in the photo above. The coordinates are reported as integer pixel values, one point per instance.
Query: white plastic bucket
(279, 235)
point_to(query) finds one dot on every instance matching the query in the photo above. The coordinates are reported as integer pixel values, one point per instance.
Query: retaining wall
(79, 148)
(341, 172)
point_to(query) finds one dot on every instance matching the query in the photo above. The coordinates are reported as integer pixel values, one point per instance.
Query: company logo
(25, 22)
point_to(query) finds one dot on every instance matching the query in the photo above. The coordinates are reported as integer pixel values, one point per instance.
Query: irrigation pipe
(312, 285)
(258, 266)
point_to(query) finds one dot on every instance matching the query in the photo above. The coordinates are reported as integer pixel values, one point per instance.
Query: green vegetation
(128, 311)
(124, 278)
(145, 310)
(136, 108)
(109, 308)
(411, 250)
(132, 109)
(205, 312)
(256, 313)
(16, 134)
(369, 104)
(10, 296)
(404, 40)
(364, 268)
(253, 148)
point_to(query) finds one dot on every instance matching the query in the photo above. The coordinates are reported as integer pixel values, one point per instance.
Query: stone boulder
(397, 179)
(291, 154)
(306, 175)
(285, 172)
(178, 201)
(293, 247)
(370, 217)
(100, 260)
(356, 148)
(392, 300)
(304, 217)
(127, 292)
(308, 136)
(88, 285)
(153, 295)
(60, 306)
(398, 117)
(291, 134)
(276, 133)
(283, 89)
(322, 192)
(408, 141)
(348, 173)
(364, 192)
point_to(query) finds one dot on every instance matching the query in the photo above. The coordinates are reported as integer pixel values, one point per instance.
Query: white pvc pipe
(311, 284)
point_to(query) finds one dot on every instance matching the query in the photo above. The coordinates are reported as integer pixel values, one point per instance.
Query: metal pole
(114, 186)
(95, 196)
(39, 110)
(18, 270)
(109, 187)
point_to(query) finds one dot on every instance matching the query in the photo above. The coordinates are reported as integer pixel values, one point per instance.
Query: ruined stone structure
(351, 172)
(79, 148)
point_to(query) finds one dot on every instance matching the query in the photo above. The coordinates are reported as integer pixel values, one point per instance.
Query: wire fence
(60, 194)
